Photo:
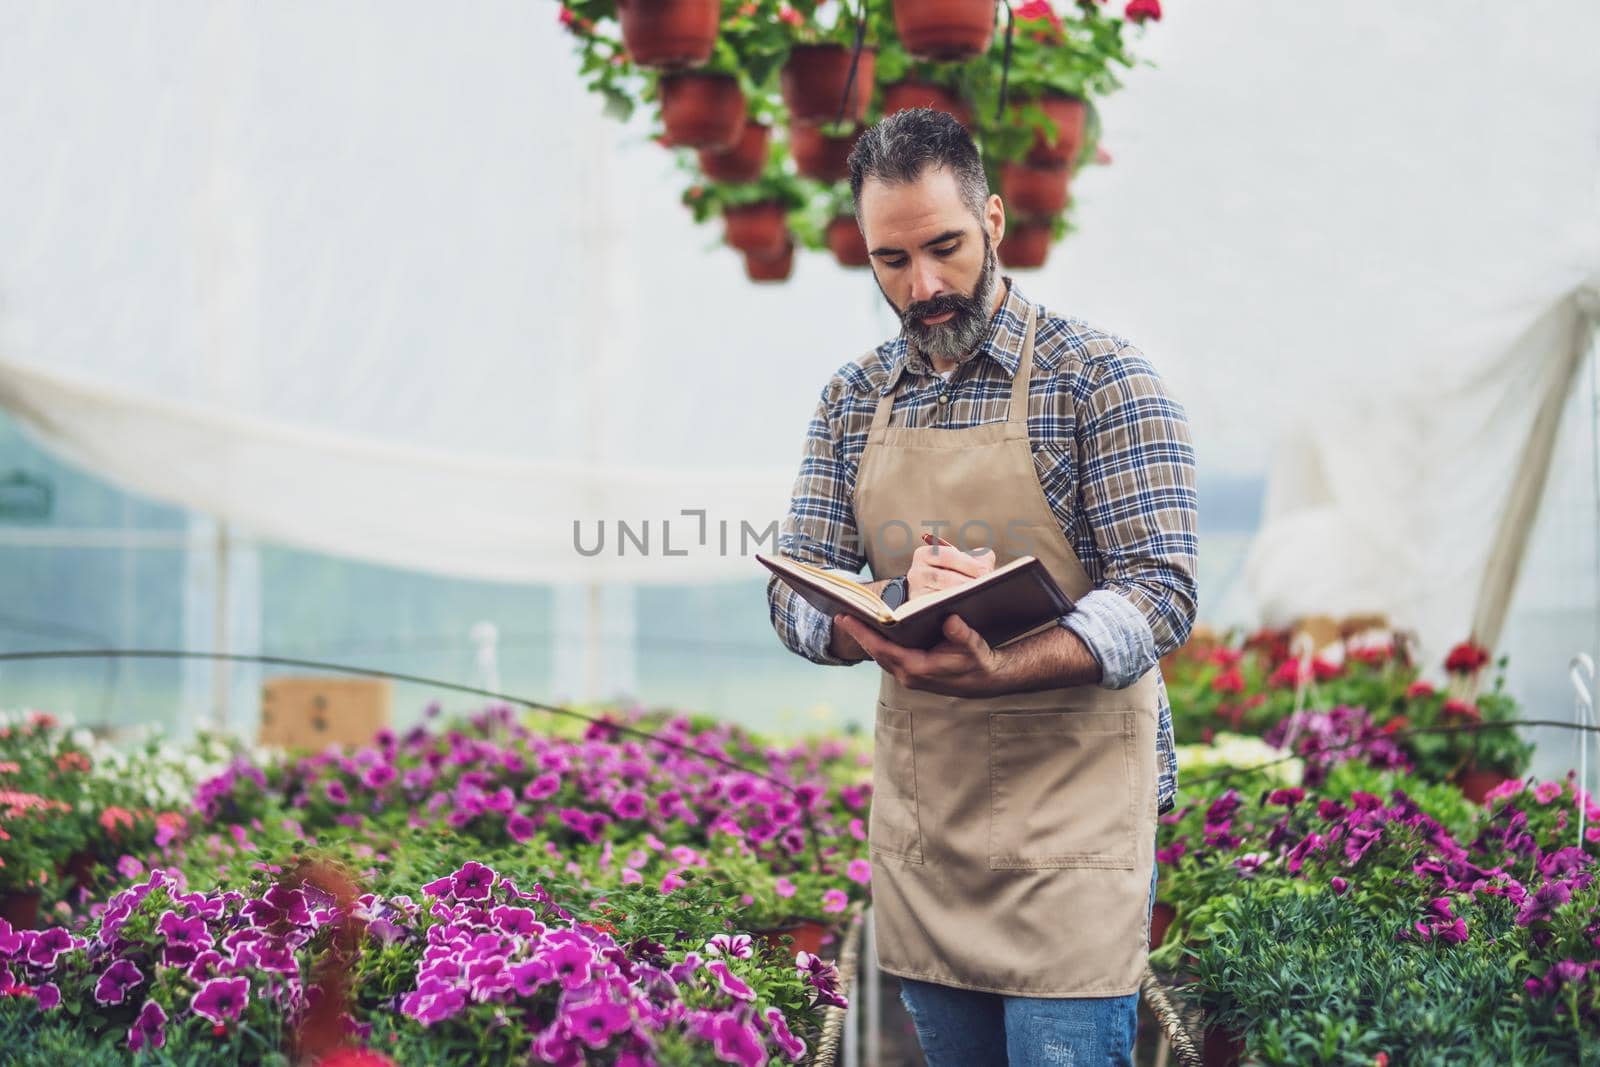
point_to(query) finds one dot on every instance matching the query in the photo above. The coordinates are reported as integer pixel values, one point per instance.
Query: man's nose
(925, 281)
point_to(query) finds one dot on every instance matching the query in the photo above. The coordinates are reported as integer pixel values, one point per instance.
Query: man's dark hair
(898, 149)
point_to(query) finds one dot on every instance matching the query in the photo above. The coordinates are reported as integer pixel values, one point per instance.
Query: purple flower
(379, 776)
(473, 881)
(189, 933)
(596, 1021)
(47, 946)
(545, 785)
(10, 940)
(728, 982)
(569, 963)
(1541, 907)
(148, 1028)
(221, 999)
(630, 805)
(116, 981)
(1339, 885)
(834, 900)
(49, 995)
(736, 1042)
(792, 1046)
(520, 827)
(1172, 853)
(336, 791)
(432, 1003)
(527, 978)
(737, 946)
(859, 871)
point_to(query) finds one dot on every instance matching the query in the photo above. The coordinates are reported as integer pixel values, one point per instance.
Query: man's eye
(894, 263)
(945, 251)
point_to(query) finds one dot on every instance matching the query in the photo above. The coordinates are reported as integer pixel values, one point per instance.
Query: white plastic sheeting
(380, 280)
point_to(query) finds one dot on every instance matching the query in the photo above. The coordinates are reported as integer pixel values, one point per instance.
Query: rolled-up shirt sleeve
(1137, 491)
(820, 529)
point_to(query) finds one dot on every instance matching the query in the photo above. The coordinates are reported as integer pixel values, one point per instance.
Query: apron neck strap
(1019, 391)
(1019, 382)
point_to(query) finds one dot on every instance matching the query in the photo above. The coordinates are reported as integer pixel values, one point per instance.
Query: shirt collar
(1007, 332)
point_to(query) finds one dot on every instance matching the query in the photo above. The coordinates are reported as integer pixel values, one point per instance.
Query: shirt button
(944, 398)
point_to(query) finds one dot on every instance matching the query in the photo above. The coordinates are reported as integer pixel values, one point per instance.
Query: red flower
(1381, 1060)
(747, 10)
(1466, 658)
(1101, 156)
(1229, 681)
(1419, 690)
(1462, 709)
(1140, 10)
(1225, 657)
(1038, 9)
(566, 16)
(1399, 722)
(791, 16)
(356, 1057)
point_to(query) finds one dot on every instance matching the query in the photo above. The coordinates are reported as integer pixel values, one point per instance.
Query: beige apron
(1012, 837)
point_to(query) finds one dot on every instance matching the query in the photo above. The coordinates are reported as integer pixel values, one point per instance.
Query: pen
(932, 539)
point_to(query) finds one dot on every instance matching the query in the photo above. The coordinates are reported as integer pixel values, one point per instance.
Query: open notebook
(1007, 603)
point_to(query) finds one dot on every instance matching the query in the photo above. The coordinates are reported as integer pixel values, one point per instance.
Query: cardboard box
(312, 713)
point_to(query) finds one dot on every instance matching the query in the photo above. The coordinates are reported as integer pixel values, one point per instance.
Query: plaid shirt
(1113, 456)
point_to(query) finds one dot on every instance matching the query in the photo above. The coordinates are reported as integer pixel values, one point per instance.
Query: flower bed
(1383, 918)
(530, 894)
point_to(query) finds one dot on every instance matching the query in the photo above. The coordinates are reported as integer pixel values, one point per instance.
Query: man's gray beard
(959, 338)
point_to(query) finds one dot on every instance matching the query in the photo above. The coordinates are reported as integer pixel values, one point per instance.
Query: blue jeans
(967, 1028)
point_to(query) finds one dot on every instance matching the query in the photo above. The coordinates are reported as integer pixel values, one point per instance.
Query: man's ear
(995, 218)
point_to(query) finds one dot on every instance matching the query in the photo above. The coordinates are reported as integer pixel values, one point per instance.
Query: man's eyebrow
(947, 235)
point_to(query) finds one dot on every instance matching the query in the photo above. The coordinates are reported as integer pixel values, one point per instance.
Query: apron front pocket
(1061, 789)
(893, 828)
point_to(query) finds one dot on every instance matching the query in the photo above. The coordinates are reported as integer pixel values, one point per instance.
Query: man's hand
(965, 665)
(936, 567)
(962, 664)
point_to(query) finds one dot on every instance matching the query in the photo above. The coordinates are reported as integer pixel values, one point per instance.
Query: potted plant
(744, 160)
(945, 29)
(819, 154)
(822, 62)
(846, 242)
(1034, 191)
(755, 214)
(1027, 241)
(909, 82)
(1058, 63)
(669, 33)
(702, 110)
(770, 266)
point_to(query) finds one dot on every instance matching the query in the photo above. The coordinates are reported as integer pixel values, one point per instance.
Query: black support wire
(372, 672)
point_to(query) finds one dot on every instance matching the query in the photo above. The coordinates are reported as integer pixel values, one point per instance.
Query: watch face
(894, 594)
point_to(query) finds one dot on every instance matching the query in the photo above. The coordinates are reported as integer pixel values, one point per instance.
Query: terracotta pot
(669, 33)
(908, 94)
(20, 909)
(807, 935)
(944, 30)
(819, 156)
(813, 81)
(1071, 117)
(760, 229)
(702, 110)
(763, 267)
(1222, 1048)
(1038, 191)
(77, 870)
(847, 244)
(1475, 783)
(1161, 917)
(744, 162)
(1025, 245)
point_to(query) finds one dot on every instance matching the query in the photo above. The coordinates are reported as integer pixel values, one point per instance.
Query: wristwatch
(894, 594)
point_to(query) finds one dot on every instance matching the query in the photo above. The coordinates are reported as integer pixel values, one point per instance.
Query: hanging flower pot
(819, 156)
(744, 162)
(944, 30)
(1071, 117)
(847, 244)
(761, 229)
(814, 78)
(669, 33)
(702, 110)
(1025, 245)
(903, 95)
(770, 267)
(1222, 1048)
(1034, 190)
